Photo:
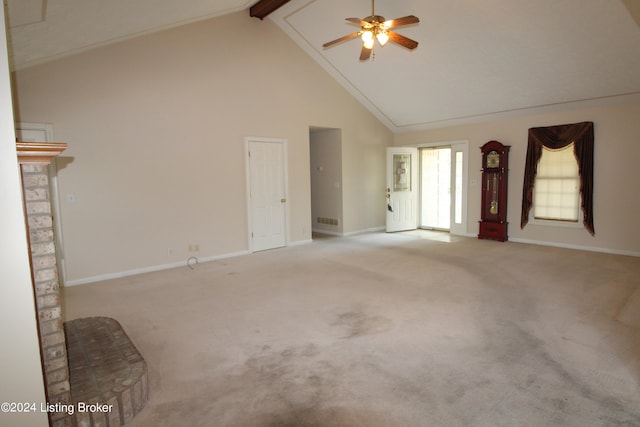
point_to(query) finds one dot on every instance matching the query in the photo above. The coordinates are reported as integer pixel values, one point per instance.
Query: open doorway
(435, 188)
(443, 193)
(325, 155)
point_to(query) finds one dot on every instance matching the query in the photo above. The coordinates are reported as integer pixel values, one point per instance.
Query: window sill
(561, 224)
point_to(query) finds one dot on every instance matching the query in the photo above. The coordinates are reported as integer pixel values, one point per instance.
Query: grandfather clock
(495, 173)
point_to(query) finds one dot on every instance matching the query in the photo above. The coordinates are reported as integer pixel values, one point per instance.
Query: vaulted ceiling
(475, 60)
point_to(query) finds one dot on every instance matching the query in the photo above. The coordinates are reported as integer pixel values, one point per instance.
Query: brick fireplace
(88, 362)
(34, 160)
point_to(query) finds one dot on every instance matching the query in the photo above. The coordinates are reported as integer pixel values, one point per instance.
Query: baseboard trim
(577, 247)
(120, 274)
(350, 233)
(569, 246)
(300, 242)
(366, 230)
(327, 232)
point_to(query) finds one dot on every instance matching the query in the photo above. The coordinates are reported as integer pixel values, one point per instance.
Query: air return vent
(327, 221)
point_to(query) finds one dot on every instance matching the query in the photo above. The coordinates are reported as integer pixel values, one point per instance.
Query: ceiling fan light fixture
(367, 39)
(375, 27)
(382, 37)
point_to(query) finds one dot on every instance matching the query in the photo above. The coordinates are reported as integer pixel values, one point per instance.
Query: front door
(267, 194)
(402, 188)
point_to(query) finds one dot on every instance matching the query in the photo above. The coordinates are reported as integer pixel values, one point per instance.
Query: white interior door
(402, 188)
(267, 194)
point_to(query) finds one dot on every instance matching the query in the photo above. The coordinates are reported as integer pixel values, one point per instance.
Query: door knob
(283, 200)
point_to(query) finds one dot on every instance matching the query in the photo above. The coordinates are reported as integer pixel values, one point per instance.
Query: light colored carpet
(385, 330)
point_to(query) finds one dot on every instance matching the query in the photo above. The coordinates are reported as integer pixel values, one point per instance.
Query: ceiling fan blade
(341, 39)
(399, 22)
(365, 53)
(356, 21)
(402, 40)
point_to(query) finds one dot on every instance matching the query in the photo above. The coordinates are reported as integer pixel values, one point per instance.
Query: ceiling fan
(375, 27)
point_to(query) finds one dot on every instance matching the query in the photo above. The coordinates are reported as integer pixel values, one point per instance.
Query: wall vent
(327, 221)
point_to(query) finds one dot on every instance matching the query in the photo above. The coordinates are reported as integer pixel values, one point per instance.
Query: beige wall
(617, 151)
(363, 176)
(20, 369)
(156, 128)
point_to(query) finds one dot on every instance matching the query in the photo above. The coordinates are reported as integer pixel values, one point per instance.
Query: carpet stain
(462, 389)
(524, 348)
(358, 323)
(323, 417)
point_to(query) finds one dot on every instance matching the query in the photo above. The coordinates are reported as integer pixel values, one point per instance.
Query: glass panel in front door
(402, 172)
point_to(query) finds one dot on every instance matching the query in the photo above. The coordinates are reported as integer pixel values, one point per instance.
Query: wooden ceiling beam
(264, 7)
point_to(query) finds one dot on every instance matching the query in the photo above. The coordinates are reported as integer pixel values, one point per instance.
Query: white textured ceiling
(42, 30)
(476, 59)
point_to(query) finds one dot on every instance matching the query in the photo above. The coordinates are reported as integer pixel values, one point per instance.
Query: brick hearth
(106, 370)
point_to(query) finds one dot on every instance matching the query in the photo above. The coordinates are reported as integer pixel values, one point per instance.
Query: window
(458, 196)
(557, 187)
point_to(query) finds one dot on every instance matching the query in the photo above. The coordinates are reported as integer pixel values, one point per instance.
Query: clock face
(493, 159)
